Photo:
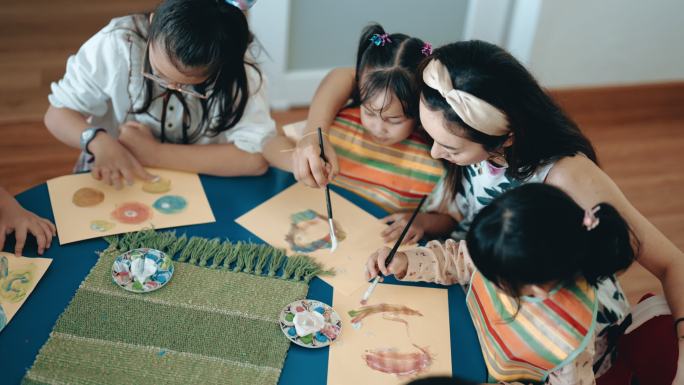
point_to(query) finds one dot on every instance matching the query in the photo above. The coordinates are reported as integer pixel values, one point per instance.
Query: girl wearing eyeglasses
(145, 86)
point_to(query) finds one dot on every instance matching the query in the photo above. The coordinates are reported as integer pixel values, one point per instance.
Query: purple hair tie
(427, 49)
(590, 220)
(380, 40)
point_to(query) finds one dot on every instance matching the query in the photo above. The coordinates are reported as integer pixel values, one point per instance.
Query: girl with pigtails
(374, 144)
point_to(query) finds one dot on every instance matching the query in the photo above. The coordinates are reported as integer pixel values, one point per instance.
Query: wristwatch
(87, 136)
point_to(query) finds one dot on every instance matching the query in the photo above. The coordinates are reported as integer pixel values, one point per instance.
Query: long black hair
(534, 234)
(388, 67)
(541, 131)
(211, 34)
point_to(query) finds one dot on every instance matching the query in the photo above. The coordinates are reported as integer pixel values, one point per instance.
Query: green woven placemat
(207, 325)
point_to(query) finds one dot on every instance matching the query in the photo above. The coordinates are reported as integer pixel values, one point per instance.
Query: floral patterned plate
(331, 323)
(142, 270)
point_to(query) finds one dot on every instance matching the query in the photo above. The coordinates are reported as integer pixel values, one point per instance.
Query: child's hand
(308, 166)
(397, 222)
(376, 264)
(138, 139)
(14, 218)
(114, 163)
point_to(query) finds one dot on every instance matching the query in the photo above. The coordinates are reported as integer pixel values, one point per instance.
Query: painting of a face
(309, 231)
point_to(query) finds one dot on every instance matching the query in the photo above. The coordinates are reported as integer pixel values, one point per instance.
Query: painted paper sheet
(85, 208)
(296, 220)
(18, 277)
(403, 334)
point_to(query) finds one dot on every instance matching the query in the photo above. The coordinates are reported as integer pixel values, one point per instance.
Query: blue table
(229, 198)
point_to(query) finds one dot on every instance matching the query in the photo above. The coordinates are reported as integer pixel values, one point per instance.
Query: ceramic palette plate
(325, 336)
(155, 272)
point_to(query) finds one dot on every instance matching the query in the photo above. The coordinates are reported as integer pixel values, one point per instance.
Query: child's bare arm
(113, 163)
(66, 125)
(221, 159)
(213, 159)
(332, 94)
(278, 152)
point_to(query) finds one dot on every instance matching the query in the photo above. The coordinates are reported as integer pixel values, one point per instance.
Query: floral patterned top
(482, 182)
(447, 264)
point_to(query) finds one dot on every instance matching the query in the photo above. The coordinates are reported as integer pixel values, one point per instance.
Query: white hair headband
(474, 111)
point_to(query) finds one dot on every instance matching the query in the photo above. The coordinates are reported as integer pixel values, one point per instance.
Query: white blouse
(104, 81)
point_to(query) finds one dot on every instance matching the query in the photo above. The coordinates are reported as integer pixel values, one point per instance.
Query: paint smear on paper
(380, 308)
(390, 360)
(170, 204)
(87, 197)
(101, 225)
(160, 186)
(86, 208)
(398, 363)
(14, 284)
(310, 231)
(132, 213)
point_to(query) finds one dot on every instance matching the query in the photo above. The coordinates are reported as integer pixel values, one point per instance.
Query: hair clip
(427, 49)
(380, 40)
(242, 4)
(590, 220)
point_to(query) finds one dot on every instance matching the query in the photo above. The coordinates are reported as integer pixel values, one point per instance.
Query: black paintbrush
(333, 237)
(392, 252)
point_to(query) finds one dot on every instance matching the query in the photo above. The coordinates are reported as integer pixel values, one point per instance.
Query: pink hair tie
(380, 40)
(427, 49)
(244, 5)
(590, 220)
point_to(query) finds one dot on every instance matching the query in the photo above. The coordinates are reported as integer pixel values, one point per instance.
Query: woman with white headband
(498, 129)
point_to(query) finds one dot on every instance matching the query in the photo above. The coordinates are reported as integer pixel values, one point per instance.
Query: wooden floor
(36, 38)
(638, 131)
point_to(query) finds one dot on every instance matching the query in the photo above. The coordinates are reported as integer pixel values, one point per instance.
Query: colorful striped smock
(394, 177)
(528, 342)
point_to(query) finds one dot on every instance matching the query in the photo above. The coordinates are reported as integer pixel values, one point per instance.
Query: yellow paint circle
(101, 225)
(159, 187)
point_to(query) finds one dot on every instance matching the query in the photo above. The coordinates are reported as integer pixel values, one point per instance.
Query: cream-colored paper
(358, 231)
(429, 331)
(18, 277)
(85, 208)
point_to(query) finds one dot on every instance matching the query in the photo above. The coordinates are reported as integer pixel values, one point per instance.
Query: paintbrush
(392, 252)
(333, 237)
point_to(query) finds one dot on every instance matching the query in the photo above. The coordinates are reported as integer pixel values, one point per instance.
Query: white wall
(603, 42)
(564, 43)
(317, 42)
(304, 39)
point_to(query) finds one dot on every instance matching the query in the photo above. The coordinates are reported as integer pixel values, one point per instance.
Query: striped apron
(393, 177)
(530, 340)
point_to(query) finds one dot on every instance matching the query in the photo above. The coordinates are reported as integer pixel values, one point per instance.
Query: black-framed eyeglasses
(186, 89)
